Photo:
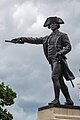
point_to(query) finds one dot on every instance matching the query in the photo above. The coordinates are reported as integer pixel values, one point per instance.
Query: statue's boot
(57, 93)
(55, 102)
(68, 98)
(69, 102)
(65, 92)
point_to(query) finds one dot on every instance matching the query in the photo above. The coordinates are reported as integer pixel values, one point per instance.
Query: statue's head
(53, 23)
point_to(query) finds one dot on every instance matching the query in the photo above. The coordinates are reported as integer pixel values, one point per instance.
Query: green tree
(6, 99)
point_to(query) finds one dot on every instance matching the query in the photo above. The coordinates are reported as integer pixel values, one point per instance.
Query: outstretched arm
(31, 40)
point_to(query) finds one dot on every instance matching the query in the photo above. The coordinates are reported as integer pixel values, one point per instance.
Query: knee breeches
(56, 72)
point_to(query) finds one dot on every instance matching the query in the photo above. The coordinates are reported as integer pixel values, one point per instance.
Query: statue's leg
(65, 91)
(56, 70)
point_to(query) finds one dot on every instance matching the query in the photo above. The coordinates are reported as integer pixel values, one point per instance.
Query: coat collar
(56, 32)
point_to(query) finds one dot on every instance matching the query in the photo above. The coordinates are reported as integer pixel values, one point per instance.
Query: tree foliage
(6, 99)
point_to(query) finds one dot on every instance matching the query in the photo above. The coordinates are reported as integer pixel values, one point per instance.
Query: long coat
(62, 45)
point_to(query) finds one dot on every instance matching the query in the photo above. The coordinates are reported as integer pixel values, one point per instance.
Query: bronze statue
(55, 46)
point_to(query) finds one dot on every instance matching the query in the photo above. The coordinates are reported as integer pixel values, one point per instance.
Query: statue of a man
(55, 46)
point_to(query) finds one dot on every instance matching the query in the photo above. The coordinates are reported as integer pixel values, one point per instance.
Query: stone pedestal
(60, 112)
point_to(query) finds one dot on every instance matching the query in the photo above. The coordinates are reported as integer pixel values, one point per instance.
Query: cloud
(24, 19)
(20, 114)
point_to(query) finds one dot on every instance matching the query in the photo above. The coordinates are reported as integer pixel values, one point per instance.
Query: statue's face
(53, 26)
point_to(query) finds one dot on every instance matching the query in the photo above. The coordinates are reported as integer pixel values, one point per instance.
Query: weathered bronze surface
(55, 46)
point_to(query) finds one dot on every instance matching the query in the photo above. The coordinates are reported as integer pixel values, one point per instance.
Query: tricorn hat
(55, 19)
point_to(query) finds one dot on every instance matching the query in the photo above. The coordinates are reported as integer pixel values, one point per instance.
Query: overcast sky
(24, 67)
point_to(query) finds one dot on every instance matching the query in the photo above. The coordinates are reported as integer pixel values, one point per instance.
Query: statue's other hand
(58, 55)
